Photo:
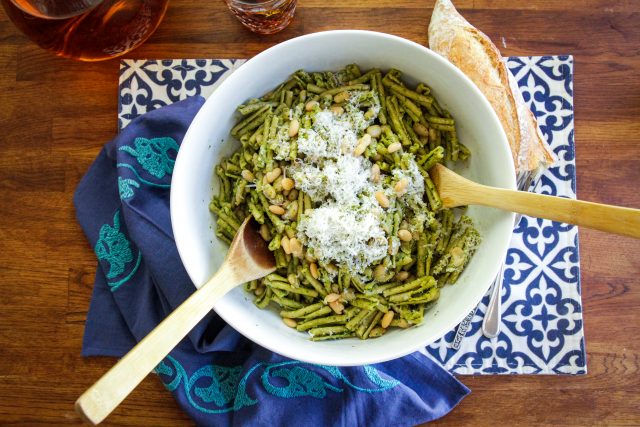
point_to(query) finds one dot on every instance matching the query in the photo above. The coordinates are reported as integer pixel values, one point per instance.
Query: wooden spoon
(455, 191)
(248, 259)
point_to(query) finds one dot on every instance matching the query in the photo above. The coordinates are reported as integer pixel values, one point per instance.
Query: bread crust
(474, 54)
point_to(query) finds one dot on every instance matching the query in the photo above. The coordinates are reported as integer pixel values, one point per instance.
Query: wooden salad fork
(248, 259)
(455, 191)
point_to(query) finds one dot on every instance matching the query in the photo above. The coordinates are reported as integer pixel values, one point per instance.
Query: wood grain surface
(56, 114)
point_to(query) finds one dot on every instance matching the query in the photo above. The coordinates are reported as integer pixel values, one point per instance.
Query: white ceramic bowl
(208, 139)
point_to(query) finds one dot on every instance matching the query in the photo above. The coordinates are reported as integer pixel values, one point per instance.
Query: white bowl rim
(255, 336)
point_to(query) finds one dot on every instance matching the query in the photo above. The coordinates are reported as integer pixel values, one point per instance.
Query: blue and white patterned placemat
(542, 310)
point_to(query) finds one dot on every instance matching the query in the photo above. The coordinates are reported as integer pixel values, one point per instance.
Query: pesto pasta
(333, 165)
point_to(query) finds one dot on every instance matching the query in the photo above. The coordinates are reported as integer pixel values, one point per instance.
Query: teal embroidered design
(124, 187)
(142, 180)
(299, 382)
(242, 398)
(115, 285)
(375, 378)
(113, 247)
(371, 372)
(166, 370)
(153, 154)
(224, 384)
(225, 388)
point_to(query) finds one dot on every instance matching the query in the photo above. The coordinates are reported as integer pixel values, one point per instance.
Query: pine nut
(269, 177)
(293, 194)
(296, 247)
(405, 235)
(386, 319)
(275, 209)
(247, 175)
(375, 131)
(331, 298)
(289, 322)
(375, 173)
(310, 259)
(382, 199)
(402, 275)
(393, 147)
(377, 332)
(273, 175)
(290, 232)
(341, 97)
(403, 324)
(287, 184)
(259, 291)
(379, 272)
(311, 105)
(285, 244)
(313, 269)
(362, 145)
(401, 186)
(337, 307)
(264, 232)
(337, 110)
(294, 126)
(420, 129)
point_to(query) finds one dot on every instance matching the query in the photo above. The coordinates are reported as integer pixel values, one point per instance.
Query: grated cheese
(337, 233)
(346, 180)
(347, 228)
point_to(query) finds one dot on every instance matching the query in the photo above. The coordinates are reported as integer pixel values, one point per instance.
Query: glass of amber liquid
(263, 16)
(87, 30)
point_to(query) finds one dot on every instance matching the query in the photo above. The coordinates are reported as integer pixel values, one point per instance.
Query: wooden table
(56, 114)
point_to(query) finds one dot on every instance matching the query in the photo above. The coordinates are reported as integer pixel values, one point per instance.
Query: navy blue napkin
(216, 375)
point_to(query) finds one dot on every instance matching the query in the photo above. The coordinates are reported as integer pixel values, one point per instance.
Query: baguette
(453, 37)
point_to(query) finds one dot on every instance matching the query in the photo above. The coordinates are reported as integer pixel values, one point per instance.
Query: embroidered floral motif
(141, 179)
(299, 382)
(113, 247)
(153, 154)
(227, 388)
(124, 187)
(224, 384)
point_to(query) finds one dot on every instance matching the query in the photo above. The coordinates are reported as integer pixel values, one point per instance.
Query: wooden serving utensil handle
(105, 395)
(613, 219)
